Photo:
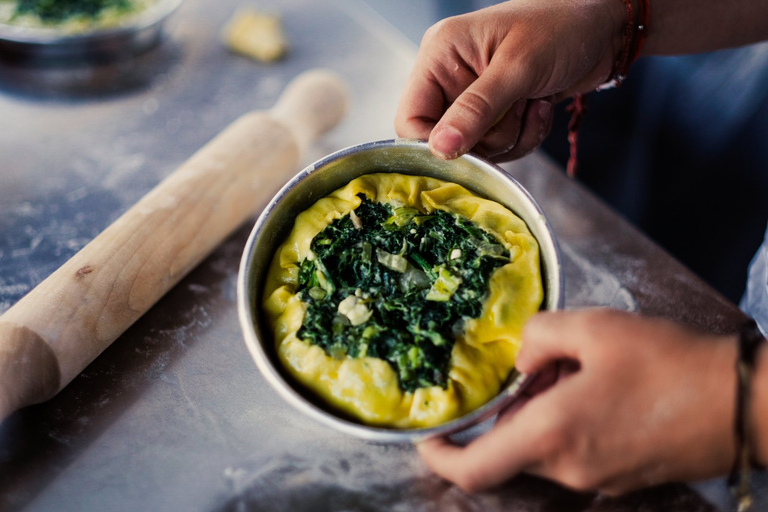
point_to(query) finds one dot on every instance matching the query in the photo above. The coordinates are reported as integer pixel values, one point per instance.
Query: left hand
(487, 80)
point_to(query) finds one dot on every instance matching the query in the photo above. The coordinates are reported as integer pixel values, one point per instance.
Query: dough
(256, 35)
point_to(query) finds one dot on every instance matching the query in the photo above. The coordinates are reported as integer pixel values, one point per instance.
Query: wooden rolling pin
(55, 331)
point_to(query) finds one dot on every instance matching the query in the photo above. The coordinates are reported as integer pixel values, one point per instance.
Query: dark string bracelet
(750, 339)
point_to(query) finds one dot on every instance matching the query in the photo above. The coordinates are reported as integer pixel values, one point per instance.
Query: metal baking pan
(139, 33)
(336, 170)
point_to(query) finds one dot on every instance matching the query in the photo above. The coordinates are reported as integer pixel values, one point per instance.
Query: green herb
(52, 11)
(397, 285)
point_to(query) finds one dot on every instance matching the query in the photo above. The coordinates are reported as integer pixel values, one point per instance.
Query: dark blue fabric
(681, 149)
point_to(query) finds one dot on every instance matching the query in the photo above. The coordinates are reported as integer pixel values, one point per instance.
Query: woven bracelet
(750, 339)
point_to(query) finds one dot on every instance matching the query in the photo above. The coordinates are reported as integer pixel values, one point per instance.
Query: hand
(487, 80)
(650, 402)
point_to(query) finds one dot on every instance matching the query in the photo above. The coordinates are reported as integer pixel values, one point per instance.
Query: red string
(635, 35)
(577, 109)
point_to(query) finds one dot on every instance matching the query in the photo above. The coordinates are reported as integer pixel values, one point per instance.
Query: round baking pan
(138, 33)
(336, 170)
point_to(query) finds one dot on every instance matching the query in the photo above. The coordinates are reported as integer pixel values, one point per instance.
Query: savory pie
(400, 300)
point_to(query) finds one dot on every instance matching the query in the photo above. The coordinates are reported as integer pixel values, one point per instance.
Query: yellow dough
(257, 35)
(367, 388)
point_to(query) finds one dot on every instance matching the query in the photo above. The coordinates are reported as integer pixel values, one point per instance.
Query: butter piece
(257, 35)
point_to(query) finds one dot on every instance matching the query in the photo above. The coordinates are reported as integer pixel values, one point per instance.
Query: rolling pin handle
(313, 103)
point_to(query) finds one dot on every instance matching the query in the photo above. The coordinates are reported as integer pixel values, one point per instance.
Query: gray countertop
(174, 415)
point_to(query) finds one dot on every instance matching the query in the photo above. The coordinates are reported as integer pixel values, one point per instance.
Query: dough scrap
(257, 35)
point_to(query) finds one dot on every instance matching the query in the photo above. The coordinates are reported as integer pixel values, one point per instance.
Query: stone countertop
(175, 415)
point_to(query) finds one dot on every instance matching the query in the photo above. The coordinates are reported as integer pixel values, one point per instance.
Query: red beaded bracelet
(635, 35)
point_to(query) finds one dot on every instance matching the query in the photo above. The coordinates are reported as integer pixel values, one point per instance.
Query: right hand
(487, 80)
(644, 401)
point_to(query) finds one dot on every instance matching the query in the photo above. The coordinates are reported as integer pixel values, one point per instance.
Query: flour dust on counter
(600, 287)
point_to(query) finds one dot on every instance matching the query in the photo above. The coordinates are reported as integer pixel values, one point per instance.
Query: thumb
(549, 337)
(473, 113)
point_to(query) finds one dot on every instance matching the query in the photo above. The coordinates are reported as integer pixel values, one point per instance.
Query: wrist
(619, 13)
(759, 407)
(747, 429)
(634, 33)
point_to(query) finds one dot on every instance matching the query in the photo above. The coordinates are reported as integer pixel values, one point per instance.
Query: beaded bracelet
(635, 35)
(750, 339)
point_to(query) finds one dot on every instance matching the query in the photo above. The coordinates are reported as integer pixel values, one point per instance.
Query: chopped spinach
(396, 284)
(59, 10)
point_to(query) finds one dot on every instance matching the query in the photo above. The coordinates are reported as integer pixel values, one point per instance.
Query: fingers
(420, 107)
(520, 129)
(528, 438)
(503, 135)
(438, 78)
(474, 112)
(549, 337)
(519, 132)
(528, 134)
(570, 335)
(536, 126)
(486, 462)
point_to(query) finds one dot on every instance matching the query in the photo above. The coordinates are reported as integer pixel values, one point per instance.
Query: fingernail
(446, 142)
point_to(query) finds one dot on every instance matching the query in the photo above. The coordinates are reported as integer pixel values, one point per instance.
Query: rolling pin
(60, 326)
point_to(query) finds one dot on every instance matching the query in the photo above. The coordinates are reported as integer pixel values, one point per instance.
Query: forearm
(692, 26)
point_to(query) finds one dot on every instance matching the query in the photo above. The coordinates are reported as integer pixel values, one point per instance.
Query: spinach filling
(52, 11)
(397, 285)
